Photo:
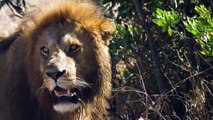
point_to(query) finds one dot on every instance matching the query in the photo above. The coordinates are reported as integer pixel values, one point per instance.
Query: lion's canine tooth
(56, 93)
(68, 92)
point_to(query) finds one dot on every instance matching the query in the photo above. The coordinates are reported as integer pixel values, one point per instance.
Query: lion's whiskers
(40, 89)
(82, 83)
(49, 84)
(79, 82)
(69, 82)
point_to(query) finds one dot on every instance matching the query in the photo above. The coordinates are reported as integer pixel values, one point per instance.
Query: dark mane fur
(5, 43)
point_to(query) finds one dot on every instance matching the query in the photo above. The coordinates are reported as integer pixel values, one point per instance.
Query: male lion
(57, 65)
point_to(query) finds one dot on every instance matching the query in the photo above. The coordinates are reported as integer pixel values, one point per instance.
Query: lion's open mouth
(65, 96)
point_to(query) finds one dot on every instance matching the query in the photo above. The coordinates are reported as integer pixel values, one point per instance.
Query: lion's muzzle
(60, 80)
(55, 75)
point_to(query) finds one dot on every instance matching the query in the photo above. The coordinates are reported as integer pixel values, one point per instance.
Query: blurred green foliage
(143, 54)
(166, 19)
(201, 26)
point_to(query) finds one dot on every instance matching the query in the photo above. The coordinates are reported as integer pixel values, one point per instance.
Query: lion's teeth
(73, 94)
(68, 93)
(56, 93)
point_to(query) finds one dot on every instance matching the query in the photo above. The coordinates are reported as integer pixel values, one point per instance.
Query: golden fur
(45, 38)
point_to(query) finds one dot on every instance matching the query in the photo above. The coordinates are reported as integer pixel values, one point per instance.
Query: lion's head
(65, 57)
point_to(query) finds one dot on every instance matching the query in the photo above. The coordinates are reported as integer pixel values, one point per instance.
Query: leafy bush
(201, 27)
(143, 57)
(166, 19)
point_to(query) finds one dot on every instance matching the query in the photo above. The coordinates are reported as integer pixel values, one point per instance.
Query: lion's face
(67, 61)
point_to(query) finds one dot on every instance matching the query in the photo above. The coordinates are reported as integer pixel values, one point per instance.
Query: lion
(57, 66)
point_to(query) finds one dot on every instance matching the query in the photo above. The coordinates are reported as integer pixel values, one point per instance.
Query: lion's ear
(107, 28)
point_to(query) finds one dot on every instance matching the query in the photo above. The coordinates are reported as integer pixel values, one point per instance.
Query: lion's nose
(55, 75)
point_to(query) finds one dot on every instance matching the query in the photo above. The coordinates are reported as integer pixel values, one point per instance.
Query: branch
(160, 81)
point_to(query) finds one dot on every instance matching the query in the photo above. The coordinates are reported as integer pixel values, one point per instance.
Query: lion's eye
(74, 48)
(44, 50)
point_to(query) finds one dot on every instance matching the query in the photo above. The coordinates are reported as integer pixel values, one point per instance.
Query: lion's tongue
(64, 95)
(62, 92)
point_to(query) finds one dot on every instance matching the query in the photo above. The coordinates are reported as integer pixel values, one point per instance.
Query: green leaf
(169, 31)
(167, 18)
(159, 12)
(164, 28)
(159, 22)
(195, 32)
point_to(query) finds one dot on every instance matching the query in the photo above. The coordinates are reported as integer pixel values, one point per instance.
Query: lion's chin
(65, 100)
(66, 107)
